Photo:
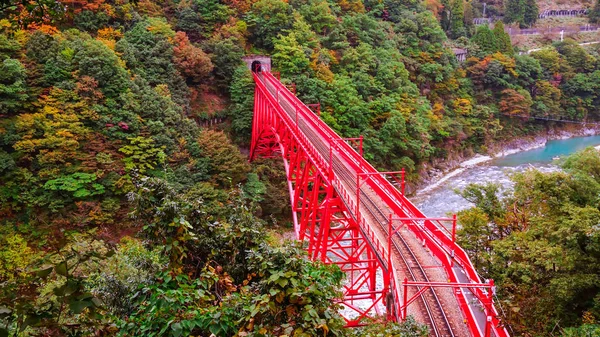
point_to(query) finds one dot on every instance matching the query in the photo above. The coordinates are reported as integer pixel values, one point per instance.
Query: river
(443, 200)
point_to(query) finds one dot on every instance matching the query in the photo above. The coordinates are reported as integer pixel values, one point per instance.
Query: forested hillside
(121, 216)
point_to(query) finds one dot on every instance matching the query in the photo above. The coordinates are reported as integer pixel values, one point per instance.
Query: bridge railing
(436, 239)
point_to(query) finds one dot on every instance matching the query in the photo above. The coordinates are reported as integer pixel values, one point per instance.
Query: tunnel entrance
(256, 66)
(257, 63)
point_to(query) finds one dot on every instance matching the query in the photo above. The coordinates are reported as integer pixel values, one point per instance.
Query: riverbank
(442, 171)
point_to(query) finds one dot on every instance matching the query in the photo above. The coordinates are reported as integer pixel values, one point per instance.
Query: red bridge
(398, 261)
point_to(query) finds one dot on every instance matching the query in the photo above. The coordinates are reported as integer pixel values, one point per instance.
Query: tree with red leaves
(191, 61)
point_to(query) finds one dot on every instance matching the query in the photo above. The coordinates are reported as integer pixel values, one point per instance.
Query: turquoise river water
(444, 200)
(554, 148)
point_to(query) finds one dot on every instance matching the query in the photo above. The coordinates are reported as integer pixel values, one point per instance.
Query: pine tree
(595, 13)
(456, 21)
(514, 11)
(530, 12)
(445, 15)
(502, 39)
(485, 39)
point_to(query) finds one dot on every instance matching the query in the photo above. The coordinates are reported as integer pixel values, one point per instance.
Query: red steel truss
(327, 213)
(320, 215)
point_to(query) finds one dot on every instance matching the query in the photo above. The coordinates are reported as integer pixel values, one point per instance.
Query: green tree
(514, 11)
(13, 89)
(586, 162)
(594, 14)
(289, 56)
(457, 25)
(80, 184)
(141, 155)
(528, 70)
(523, 12)
(8, 47)
(227, 165)
(211, 13)
(502, 39)
(531, 12)
(476, 235)
(165, 218)
(486, 198)
(150, 55)
(546, 102)
(96, 60)
(266, 20)
(576, 56)
(551, 62)
(486, 40)
(91, 21)
(242, 97)
(226, 55)
(319, 15)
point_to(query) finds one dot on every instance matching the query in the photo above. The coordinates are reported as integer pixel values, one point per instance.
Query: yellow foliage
(353, 6)
(160, 26)
(109, 43)
(110, 33)
(507, 62)
(438, 110)
(15, 257)
(149, 8)
(588, 318)
(334, 57)
(51, 135)
(127, 9)
(5, 25)
(321, 69)
(163, 90)
(462, 106)
(233, 28)
(434, 6)
(47, 29)
(21, 36)
(108, 9)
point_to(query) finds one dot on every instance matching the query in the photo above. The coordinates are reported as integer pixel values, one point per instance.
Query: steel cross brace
(351, 141)
(317, 107)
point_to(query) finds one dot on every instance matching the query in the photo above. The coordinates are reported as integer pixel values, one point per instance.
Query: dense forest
(121, 215)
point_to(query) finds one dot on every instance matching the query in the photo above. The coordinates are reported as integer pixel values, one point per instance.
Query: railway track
(430, 302)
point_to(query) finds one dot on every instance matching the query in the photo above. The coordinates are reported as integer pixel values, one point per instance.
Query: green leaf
(168, 279)
(61, 268)
(78, 306)
(29, 321)
(214, 329)
(176, 327)
(43, 273)
(3, 332)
